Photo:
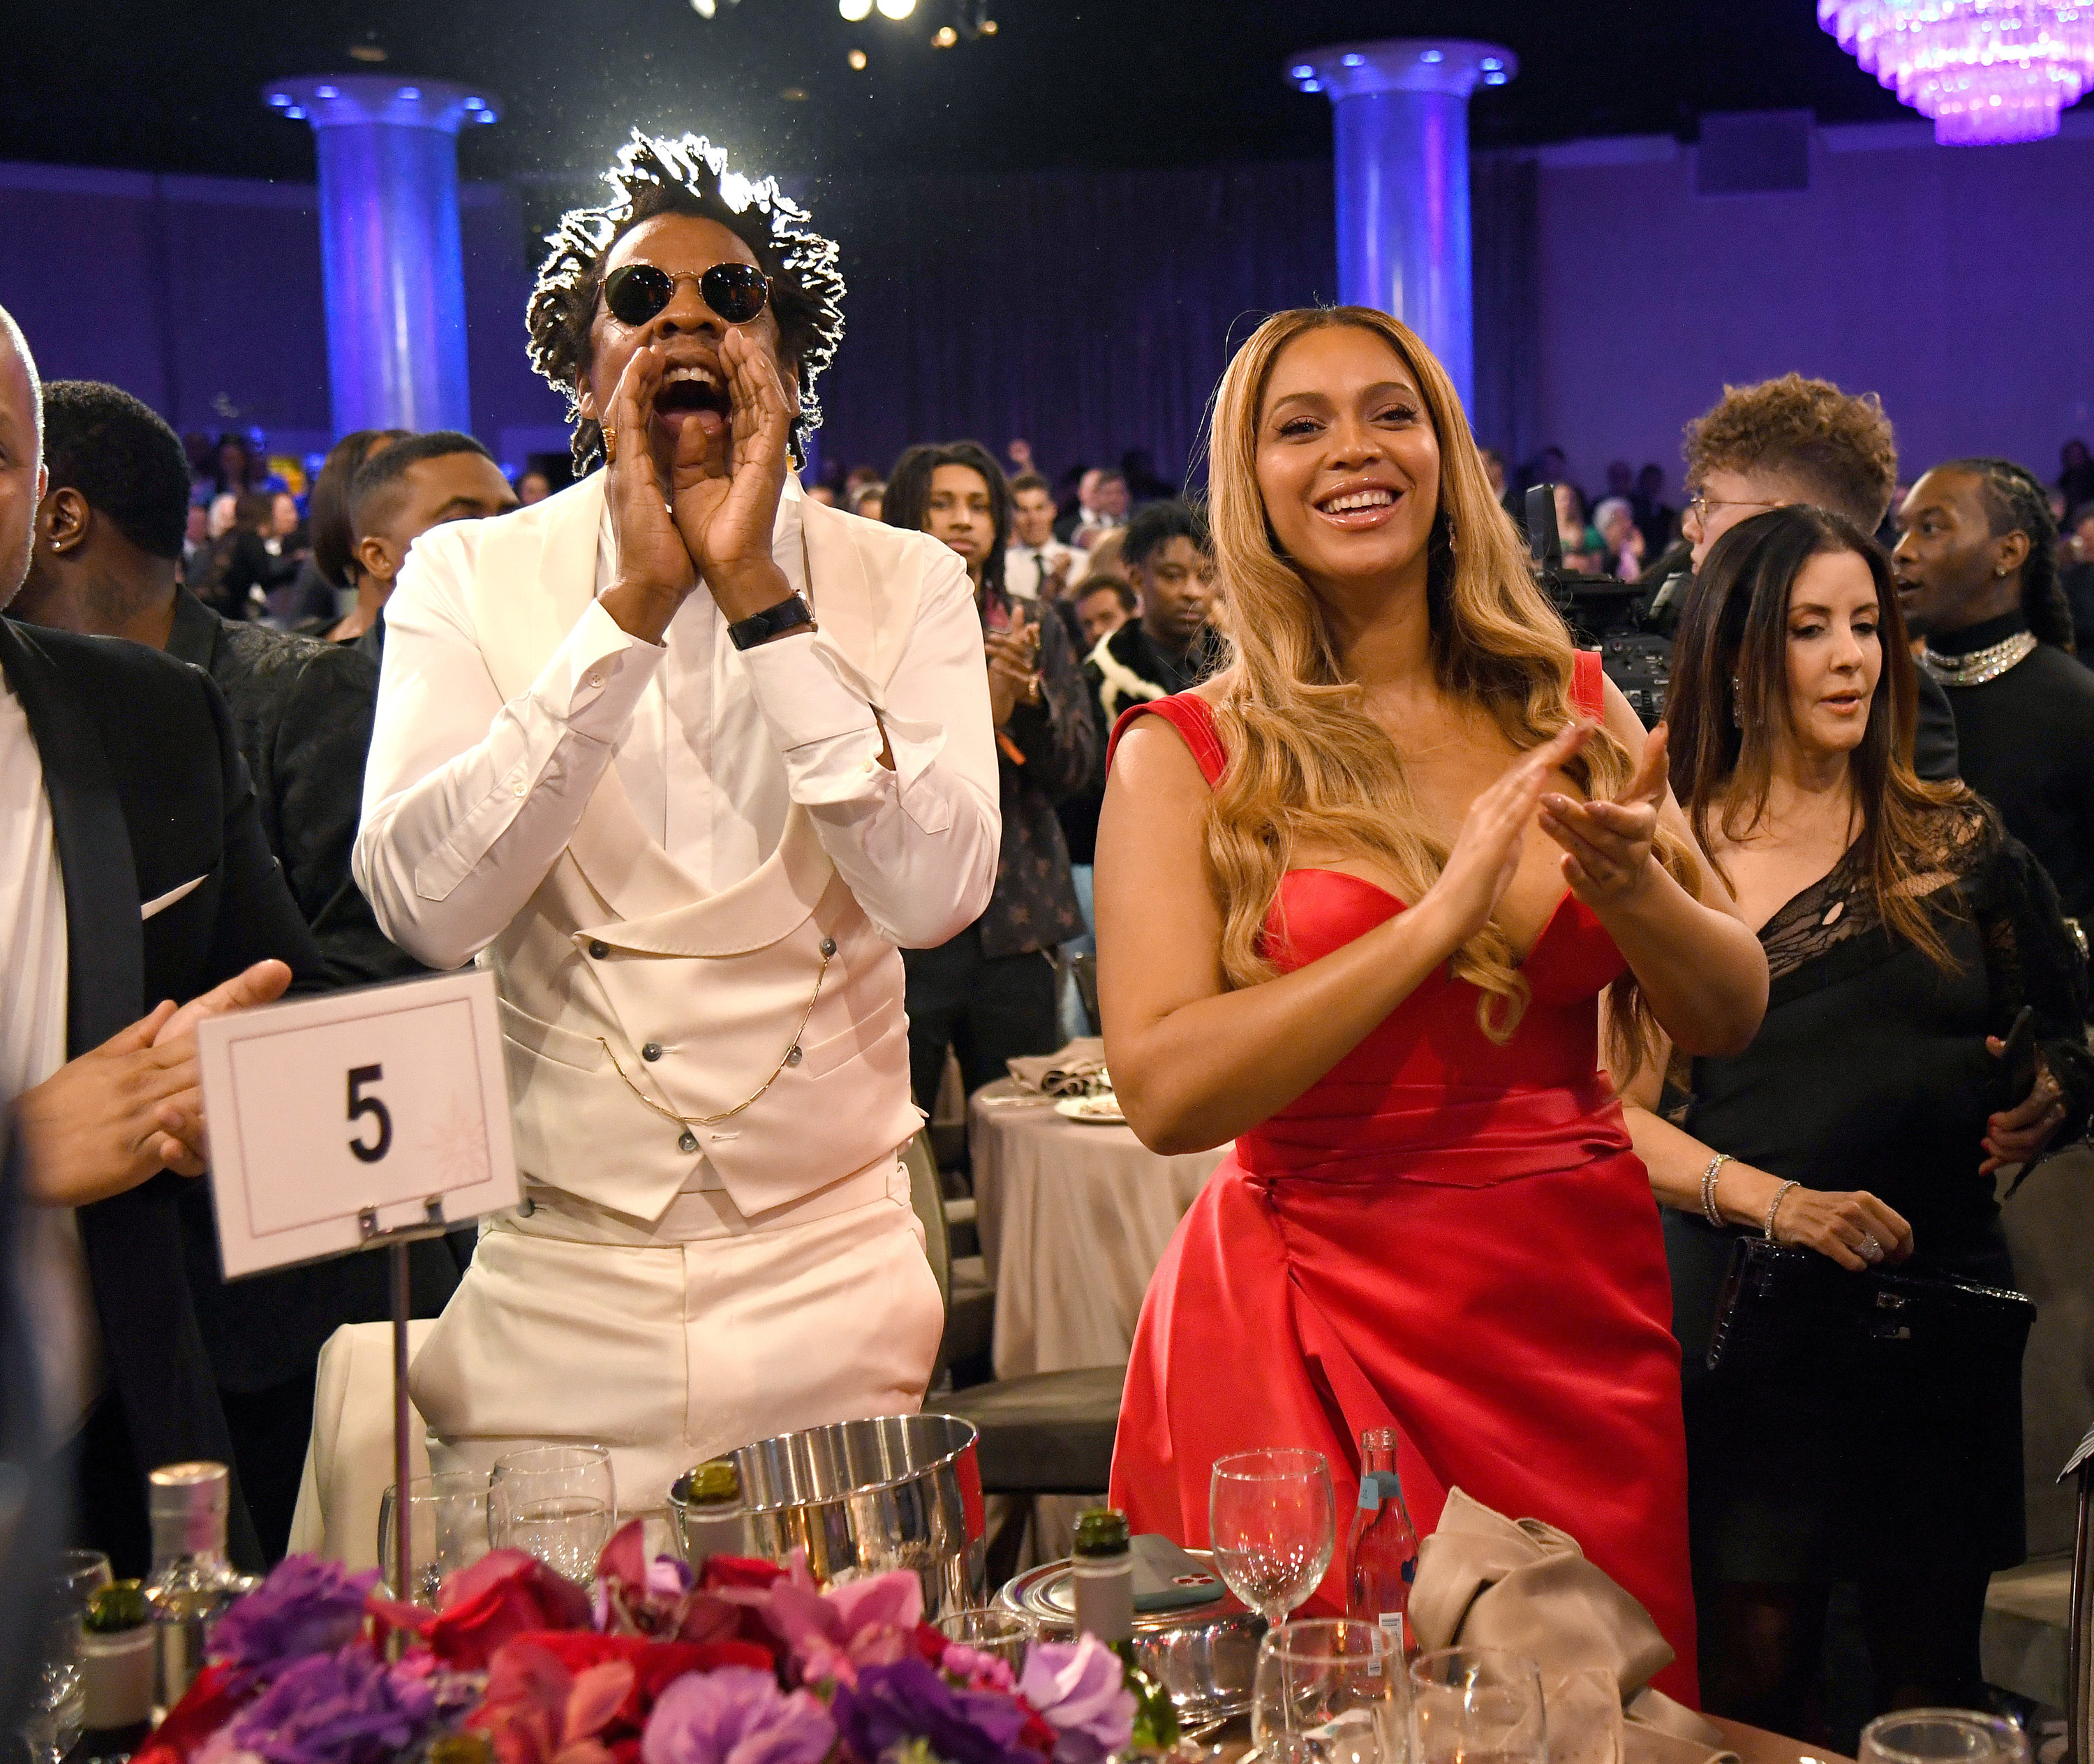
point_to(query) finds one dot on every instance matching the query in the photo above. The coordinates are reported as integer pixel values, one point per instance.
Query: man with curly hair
(1794, 440)
(683, 756)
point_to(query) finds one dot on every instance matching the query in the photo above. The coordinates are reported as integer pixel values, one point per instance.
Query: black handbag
(1783, 1303)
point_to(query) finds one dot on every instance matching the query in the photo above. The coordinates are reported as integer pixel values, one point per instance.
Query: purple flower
(836, 1634)
(735, 1714)
(307, 1606)
(1080, 1689)
(892, 1705)
(344, 1708)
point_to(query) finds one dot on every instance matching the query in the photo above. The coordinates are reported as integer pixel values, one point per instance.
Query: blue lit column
(1401, 113)
(395, 277)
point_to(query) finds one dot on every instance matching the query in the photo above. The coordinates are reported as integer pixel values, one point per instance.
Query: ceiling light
(857, 59)
(1432, 57)
(408, 93)
(1354, 60)
(897, 9)
(1312, 85)
(1984, 73)
(704, 8)
(326, 92)
(295, 114)
(365, 52)
(794, 94)
(1304, 71)
(281, 100)
(471, 104)
(1491, 64)
(854, 10)
(988, 27)
(1498, 78)
(946, 37)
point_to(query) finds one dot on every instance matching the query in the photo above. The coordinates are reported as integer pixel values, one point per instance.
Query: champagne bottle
(1104, 1563)
(192, 1581)
(1382, 1561)
(715, 1522)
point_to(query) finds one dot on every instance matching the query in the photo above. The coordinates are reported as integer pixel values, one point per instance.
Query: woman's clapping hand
(1608, 845)
(1487, 851)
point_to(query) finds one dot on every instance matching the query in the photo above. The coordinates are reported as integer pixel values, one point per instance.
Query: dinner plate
(1093, 1112)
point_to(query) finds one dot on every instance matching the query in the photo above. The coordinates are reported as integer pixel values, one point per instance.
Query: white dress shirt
(468, 801)
(54, 1284)
(1026, 567)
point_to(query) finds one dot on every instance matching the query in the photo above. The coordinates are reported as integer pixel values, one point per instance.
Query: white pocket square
(161, 903)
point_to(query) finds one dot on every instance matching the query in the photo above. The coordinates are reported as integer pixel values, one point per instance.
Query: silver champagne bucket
(862, 1497)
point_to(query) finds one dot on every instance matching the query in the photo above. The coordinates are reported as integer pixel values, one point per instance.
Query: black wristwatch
(788, 614)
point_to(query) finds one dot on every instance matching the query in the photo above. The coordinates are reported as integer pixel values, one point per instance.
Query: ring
(610, 445)
(1871, 1251)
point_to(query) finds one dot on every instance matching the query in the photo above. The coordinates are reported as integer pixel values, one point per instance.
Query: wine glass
(555, 1502)
(1943, 1737)
(1477, 1705)
(1004, 1635)
(447, 1530)
(58, 1713)
(1330, 1691)
(1271, 1519)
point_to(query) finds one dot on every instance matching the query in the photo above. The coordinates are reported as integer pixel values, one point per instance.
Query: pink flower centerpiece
(746, 1663)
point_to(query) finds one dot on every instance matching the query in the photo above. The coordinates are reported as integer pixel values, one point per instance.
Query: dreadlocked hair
(656, 176)
(2016, 503)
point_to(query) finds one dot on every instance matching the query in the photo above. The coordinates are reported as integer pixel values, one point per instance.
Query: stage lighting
(897, 9)
(944, 38)
(854, 10)
(857, 59)
(704, 8)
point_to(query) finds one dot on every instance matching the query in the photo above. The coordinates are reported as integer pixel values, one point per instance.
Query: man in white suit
(683, 756)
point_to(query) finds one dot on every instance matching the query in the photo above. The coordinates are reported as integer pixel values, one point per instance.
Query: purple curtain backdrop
(1086, 312)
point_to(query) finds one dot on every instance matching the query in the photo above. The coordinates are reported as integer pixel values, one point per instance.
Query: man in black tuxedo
(134, 870)
(102, 562)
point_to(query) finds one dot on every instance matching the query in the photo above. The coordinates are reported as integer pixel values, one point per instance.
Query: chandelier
(1985, 70)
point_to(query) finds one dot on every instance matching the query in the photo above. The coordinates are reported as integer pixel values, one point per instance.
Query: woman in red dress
(1325, 933)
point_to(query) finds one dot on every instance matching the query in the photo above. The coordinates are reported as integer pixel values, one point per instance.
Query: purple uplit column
(395, 277)
(1401, 115)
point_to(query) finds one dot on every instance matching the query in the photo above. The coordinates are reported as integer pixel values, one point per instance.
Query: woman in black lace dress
(1904, 932)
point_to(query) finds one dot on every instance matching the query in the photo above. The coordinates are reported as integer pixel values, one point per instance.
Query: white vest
(768, 1015)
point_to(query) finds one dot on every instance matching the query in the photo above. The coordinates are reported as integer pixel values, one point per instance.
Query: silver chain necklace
(1979, 665)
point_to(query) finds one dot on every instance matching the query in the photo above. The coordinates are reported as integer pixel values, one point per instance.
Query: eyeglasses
(1701, 502)
(635, 292)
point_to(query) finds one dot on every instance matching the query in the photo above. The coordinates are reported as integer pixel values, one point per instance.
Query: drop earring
(1737, 701)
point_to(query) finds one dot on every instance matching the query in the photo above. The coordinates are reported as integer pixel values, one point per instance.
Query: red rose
(739, 1571)
(505, 1593)
(656, 1665)
(216, 1695)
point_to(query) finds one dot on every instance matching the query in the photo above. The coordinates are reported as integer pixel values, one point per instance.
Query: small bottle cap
(1102, 1532)
(188, 1503)
(118, 1606)
(715, 1484)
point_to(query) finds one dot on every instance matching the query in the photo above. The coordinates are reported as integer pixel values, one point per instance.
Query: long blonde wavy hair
(1305, 761)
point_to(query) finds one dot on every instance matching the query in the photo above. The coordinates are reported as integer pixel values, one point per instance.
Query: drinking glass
(1583, 1709)
(447, 1530)
(1004, 1634)
(555, 1502)
(57, 1716)
(1329, 1692)
(1271, 1519)
(1477, 1705)
(1943, 1737)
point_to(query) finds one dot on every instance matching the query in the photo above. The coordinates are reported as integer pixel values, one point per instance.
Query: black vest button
(599, 949)
(652, 1051)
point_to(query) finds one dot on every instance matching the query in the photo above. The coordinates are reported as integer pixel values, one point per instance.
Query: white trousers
(678, 1342)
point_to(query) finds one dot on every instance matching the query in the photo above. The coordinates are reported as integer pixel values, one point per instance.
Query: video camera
(1603, 612)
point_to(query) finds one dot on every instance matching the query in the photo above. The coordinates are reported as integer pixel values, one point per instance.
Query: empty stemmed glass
(59, 1710)
(555, 1502)
(1271, 1519)
(1330, 1691)
(1943, 1737)
(447, 1530)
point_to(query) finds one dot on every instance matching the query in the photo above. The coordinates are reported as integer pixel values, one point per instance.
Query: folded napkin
(1487, 1581)
(1078, 1070)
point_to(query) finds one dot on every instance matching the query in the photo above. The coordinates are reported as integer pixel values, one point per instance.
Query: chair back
(1085, 968)
(928, 1200)
(2079, 1638)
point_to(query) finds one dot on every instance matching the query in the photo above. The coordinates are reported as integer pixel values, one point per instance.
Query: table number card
(333, 1117)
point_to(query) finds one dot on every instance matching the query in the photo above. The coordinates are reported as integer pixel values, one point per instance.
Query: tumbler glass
(447, 1530)
(1329, 1691)
(59, 1710)
(1943, 1737)
(1003, 1634)
(1477, 1705)
(555, 1502)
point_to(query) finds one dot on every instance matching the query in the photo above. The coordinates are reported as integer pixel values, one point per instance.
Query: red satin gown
(1442, 1234)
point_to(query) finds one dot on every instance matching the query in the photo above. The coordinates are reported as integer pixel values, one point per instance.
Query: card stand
(397, 1242)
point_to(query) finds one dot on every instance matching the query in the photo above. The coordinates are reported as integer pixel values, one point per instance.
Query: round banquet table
(1073, 1218)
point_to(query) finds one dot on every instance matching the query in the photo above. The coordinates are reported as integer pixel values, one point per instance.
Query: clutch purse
(1781, 1304)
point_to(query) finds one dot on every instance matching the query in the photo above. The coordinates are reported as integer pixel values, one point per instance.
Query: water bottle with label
(1382, 1561)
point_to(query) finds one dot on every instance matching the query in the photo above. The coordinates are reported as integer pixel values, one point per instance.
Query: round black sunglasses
(634, 293)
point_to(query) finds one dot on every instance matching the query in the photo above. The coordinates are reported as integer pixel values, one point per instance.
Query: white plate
(1093, 1112)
